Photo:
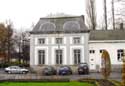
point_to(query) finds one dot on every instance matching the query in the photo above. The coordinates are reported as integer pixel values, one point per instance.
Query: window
(77, 56)
(76, 40)
(41, 56)
(58, 40)
(59, 56)
(91, 51)
(119, 54)
(41, 41)
(101, 50)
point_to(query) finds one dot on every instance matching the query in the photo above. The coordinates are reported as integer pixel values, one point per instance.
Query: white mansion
(67, 41)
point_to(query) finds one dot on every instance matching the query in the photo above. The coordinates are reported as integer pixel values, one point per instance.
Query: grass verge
(46, 84)
(117, 83)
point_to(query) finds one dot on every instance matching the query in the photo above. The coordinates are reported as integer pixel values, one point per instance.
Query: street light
(123, 69)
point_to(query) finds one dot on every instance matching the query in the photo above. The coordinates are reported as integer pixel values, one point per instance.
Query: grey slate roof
(73, 24)
(107, 35)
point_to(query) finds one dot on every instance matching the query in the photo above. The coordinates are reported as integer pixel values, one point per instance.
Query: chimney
(121, 26)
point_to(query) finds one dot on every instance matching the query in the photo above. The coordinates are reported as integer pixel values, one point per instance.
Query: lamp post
(59, 42)
(123, 69)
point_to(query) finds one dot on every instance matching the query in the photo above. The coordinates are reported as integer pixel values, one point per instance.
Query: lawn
(46, 84)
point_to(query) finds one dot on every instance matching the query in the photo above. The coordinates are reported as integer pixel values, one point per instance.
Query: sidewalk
(114, 76)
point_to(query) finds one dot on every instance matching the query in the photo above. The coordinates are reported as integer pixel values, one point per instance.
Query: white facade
(112, 46)
(66, 52)
(90, 50)
(50, 47)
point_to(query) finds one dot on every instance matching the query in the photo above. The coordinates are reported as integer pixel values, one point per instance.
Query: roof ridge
(109, 30)
(61, 17)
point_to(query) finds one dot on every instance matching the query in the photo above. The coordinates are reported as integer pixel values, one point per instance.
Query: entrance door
(92, 64)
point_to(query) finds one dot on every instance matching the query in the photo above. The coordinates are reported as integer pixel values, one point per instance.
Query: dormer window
(76, 40)
(59, 40)
(41, 41)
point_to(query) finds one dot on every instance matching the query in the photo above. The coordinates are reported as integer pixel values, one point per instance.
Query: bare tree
(119, 12)
(9, 39)
(22, 46)
(91, 14)
(25, 46)
(105, 14)
(6, 41)
(113, 16)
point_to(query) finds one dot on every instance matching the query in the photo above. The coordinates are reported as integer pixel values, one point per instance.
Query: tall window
(59, 55)
(76, 40)
(41, 41)
(41, 56)
(77, 56)
(119, 54)
(58, 40)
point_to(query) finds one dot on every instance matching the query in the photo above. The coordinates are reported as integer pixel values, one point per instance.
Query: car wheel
(23, 72)
(60, 73)
(9, 72)
(70, 73)
(79, 73)
(54, 73)
(47, 74)
(87, 72)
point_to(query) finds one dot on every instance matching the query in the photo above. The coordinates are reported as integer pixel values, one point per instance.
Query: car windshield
(48, 68)
(83, 64)
(65, 68)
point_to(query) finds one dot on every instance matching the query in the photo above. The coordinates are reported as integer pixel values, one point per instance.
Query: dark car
(65, 70)
(83, 68)
(49, 70)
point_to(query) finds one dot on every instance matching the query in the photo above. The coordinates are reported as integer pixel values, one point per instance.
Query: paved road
(3, 76)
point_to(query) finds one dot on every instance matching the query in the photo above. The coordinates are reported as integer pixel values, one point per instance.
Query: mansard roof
(73, 24)
(107, 35)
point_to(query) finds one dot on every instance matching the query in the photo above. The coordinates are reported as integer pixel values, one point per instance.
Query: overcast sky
(25, 12)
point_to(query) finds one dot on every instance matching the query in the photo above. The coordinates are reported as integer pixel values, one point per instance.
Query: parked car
(83, 68)
(16, 69)
(65, 70)
(49, 70)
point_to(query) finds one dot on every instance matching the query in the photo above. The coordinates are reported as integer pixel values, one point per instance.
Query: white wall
(50, 47)
(111, 47)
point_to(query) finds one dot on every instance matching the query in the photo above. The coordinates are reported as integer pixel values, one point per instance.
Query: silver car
(16, 69)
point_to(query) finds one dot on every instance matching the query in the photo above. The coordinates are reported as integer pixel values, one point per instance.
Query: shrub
(106, 64)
